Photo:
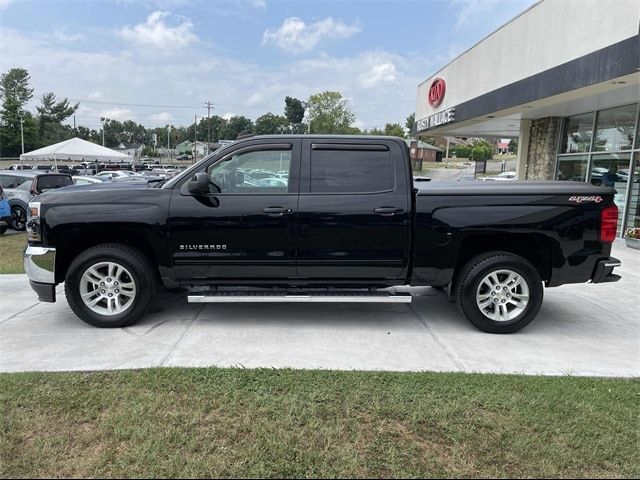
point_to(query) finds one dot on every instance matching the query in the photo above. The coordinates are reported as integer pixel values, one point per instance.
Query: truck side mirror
(199, 184)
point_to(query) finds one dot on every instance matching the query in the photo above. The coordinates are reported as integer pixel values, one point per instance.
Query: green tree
(216, 125)
(51, 114)
(513, 145)
(409, 122)
(294, 111)
(269, 124)
(88, 134)
(236, 126)
(15, 92)
(330, 113)
(481, 150)
(394, 130)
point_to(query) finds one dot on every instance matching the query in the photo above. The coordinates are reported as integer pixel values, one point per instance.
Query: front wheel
(18, 218)
(499, 292)
(110, 285)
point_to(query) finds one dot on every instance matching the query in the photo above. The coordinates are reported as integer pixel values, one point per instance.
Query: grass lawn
(284, 423)
(11, 248)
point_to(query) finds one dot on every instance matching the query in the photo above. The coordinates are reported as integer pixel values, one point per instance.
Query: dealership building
(563, 77)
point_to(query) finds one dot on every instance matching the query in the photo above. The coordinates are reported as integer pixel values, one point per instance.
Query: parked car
(17, 196)
(502, 177)
(19, 190)
(184, 156)
(5, 212)
(111, 174)
(17, 166)
(83, 180)
(349, 223)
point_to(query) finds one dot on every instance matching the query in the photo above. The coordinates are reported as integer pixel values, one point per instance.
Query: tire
(118, 270)
(18, 218)
(3, 229)
(506, 285)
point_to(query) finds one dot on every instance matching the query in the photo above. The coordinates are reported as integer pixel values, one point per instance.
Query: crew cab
(318, 219)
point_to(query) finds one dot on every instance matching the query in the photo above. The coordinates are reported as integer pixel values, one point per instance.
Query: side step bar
(284, 297)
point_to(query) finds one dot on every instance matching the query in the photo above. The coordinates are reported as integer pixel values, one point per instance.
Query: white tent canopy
(78, 150)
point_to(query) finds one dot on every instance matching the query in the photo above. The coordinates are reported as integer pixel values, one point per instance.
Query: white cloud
(117, 114)
(228, 115)
(5, 3)
(63, 35)
(95, 95)
(259, 3)
(161, 118)
(255, 100)
(472, 12)
(296, 36)
(156, 33)
(381, 73)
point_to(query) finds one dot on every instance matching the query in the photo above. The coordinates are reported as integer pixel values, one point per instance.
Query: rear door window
(336, 170)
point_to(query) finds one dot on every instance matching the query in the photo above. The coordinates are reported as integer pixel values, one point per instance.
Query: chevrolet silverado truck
(318, 219)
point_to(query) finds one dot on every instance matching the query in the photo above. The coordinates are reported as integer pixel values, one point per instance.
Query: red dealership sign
(436, 92)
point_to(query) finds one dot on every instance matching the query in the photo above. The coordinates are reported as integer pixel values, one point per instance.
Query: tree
(294, 111)
(51, 115)
(409, 122)
(513, 145)
(237, 125)
(330, 113)
(481, 150)
(269, 124)
(15, 92)
(394, 130)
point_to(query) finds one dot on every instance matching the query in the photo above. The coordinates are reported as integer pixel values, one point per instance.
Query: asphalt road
(581, 330)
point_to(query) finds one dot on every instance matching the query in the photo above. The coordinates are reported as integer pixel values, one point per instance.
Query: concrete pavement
(581, 330)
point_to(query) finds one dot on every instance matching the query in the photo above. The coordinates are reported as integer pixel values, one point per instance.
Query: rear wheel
(499, 292)
(110, 285)
(3, 228)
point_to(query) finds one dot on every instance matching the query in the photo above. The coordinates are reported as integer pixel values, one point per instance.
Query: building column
(523, 149)
(543, 143)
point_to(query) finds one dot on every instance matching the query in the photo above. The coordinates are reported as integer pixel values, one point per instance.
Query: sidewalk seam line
(19, 313)
(166, 357)
(456, 361)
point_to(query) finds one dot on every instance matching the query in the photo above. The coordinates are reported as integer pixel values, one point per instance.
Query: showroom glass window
(577, 133)
(599, 147)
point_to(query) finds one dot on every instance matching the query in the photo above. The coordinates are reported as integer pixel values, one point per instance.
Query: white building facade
(563, 78)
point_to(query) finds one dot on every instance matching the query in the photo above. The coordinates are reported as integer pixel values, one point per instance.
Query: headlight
(33, 222)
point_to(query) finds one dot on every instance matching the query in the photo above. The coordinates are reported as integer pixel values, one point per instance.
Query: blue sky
(157, 61)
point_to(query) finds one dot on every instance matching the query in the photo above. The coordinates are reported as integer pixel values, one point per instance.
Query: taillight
(608, 224)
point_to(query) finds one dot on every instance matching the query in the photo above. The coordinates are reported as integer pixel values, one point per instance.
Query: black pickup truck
(318, 219)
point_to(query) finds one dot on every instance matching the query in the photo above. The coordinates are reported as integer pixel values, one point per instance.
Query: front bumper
(5, 221)
(39, 265)
(604, 271)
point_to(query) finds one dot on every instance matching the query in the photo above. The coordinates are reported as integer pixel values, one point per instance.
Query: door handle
(388, 211)
(279, 211)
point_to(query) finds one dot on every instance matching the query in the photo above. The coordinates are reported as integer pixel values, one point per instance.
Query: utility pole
(195, 137)
(208, 106)
(168, 140)
(102, 119)
(21, 135)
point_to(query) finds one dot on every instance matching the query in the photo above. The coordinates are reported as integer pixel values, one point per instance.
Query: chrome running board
(288, 297)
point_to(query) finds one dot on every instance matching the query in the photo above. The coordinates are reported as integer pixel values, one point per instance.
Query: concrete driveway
(581, 330)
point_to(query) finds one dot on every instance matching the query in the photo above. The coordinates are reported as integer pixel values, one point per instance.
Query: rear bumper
(603, 271)
(39, 265)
